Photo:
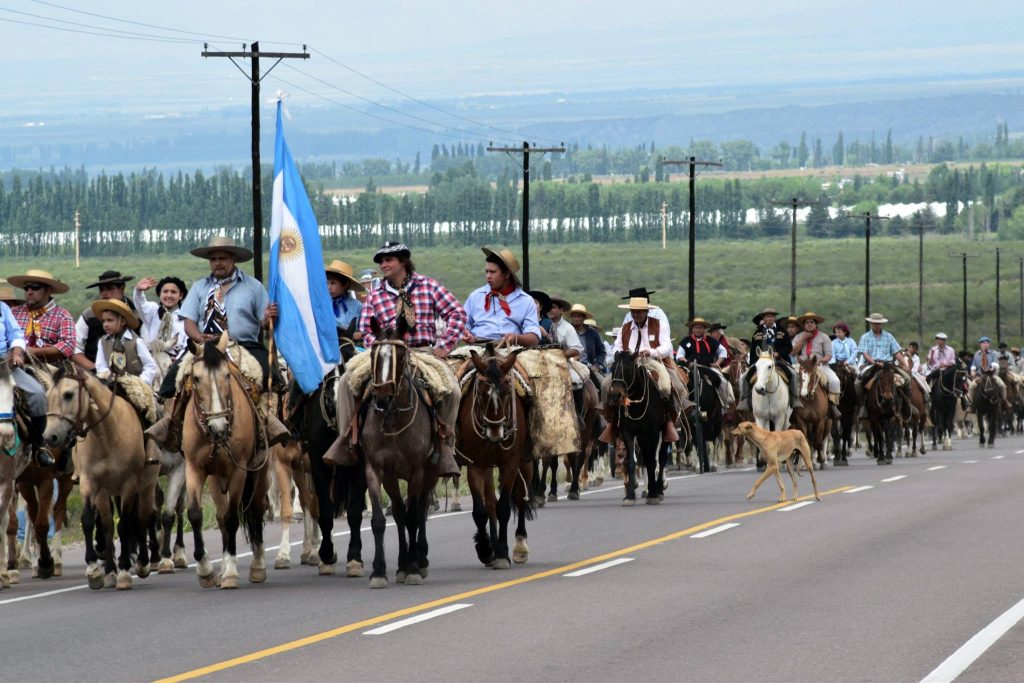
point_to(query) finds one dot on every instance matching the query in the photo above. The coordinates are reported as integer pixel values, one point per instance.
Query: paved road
(894, 571)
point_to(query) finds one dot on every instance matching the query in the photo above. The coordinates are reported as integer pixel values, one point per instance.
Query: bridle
(9, 417)
(500, 399)
(768, 388)
(812, 383)
(395, 379)
(628, 400)
(78, 428)
(203, 417)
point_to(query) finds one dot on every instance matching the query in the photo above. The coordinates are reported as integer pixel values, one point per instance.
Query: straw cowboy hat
(876, 318)
(41, 277)
(119, 307)
(698, 321)
(507, 258)
(9, 295)
(637, 303)
(942, 335)
(762, 314)
(581, 308)
(614, 332)
(590, 322)
(110, 277)
(344, 270)
(223, 243)
(791, 320)
(809, 316)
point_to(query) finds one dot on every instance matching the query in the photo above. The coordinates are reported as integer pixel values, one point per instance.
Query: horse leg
(195, 479)
(144, 519)
(254, 500)
(481, 539)
(228, 520)
(418, 500)
(574, 471)
(92, 570)
(167, 513)
(551, 464)
(283, 479)
(325, 518)
(41, 528)
(508, 480)
(378, 579)
(524, 510)
(398, 513)
(6, 511)
(356, 506)
(105, 518)
(491, 511)
(127, 534)
(651, 456)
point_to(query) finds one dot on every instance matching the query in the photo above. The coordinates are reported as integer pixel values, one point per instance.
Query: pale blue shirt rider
(493, 323)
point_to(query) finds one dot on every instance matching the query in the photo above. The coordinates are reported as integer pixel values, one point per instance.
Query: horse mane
(212, 356)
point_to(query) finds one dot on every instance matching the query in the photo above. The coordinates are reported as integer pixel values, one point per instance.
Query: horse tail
(251, 511)
(340, 486)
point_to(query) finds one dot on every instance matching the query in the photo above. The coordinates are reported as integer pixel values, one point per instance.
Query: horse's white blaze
(805, 383)
(7, 406)
(218, 425)
(385, 363)
(770, 398)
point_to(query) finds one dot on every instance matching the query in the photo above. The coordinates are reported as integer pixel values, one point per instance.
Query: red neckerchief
(500, 295)
(698, 340)
(810, 343)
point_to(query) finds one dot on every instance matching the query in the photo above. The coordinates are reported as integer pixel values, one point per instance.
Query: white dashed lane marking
(716, 530)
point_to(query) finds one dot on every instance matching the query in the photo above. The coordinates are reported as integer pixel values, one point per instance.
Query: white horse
(770, 396)
(8, 449)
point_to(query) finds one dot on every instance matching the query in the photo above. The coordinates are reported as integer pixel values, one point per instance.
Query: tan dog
(777, 446)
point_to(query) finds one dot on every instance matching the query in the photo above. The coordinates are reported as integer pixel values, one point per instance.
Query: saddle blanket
(245, 361)
(433, 371)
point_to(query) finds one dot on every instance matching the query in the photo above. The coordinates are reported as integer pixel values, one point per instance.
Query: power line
(91, 26)
(177, 41)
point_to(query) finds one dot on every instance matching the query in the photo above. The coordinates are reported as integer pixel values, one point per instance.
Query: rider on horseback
(709, 353)
(878, 346)
(344, 290)
(768, 336)
(987, 361)
(813, 342)
(501, 310)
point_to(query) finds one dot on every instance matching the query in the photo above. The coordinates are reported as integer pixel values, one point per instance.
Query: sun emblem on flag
(291, 243)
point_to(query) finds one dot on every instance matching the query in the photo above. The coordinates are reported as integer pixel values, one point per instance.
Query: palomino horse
(988, 406)
(843, 430)
(219, 440)
(946, 389)
(398, 441)
(812, 417)
(8, 451)
(494, 433)
(110, 460)
(634, 394)
(883, 404)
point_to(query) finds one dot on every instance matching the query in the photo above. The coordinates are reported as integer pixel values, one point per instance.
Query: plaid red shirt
(56, 328)
(430, 299)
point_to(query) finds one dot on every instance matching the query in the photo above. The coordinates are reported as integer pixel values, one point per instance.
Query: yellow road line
(356, 626)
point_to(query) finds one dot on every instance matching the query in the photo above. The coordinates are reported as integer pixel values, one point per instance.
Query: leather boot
(42, 455)
(340, 453)
(833, 407)
(669, 433)
(611, 428)
(167, 430)
(444, 460)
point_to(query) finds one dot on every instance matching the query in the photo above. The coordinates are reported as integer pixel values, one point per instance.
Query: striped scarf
(215, 321)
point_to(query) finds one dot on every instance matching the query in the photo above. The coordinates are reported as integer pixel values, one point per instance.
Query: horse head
(7, 432)
(808, 376)
(624, 370)
(388, 358)
(885, 383)
(765, 371)
(494, 410)
(68, 406)
(211, 389)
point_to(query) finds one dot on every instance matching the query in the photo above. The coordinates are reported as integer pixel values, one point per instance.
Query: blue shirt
(346, 309)
(244, 303)
(844, 350)
(11, 334)
(494, 323)
(882, 347)
(993, 360)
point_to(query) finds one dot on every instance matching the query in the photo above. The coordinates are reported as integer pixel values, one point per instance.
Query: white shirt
(660, 348)
(565, 334)
(658, 315)
(149, 368)
(149, 313)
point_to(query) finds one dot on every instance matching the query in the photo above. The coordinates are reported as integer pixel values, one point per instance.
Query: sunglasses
(33, 287)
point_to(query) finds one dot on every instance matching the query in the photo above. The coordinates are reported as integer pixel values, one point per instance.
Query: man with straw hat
(49, 336)
(707, 352)
(9, 295)
(226, 301)
(88, 328)
(878, 346)
(645, 336)
(500, 310)
(594, 353)
(812, 342)
(344, 290)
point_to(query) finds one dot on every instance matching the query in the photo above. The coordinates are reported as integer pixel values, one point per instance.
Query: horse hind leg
(481, 539)
(524, 509)
(282, 482)
(254, 496)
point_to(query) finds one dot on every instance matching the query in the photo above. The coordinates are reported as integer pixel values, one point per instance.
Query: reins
(222, 442)
(509, 412)
(80, 432)
(395, 379)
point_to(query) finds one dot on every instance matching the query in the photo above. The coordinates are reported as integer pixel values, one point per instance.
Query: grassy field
(734, 279)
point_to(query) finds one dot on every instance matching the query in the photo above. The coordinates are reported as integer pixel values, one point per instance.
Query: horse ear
(374, 326)
(478, 362)
(222, 343)
(509, 361)
(401, 327)
(351, 329)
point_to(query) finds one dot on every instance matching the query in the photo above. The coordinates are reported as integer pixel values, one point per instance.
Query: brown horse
(883, 404)
(988, 406)
(291, 465)
(918, 422)
(733, 415)
(493, 434)
(110, 459)
(398, 440)
(812, 417)
(219, 440)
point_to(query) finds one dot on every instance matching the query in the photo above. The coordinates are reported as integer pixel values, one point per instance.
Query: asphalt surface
(878, 584)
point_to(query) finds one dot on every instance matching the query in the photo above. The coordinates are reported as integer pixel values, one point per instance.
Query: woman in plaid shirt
(421, 300)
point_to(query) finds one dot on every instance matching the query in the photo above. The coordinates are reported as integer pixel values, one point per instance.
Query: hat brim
(880, 321)
(56, 286)
(629, 307)
(760, 316)
(241, 254)
(379, 258)
(698, 321)
(111, 281)
(561, 303)
(352, 281)
(804, 318)
(101, 305)
(508, 266)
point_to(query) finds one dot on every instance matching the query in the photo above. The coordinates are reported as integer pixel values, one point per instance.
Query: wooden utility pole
(793, 205)
(693, 163)
(664, 225)
(1021, 296)
(253, 54)
(963, 256)
(999, 325)
(920, 278)
(868, 217)
(524, 228)
(78, 228)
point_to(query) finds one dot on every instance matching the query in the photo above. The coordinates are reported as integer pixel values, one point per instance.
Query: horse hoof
(110, 580)
(257, 574)
(456, 507)
(552, 497)
(180, 561)
(124, 581)
(165, 566)
(229, 583)
(597, 483)
(308, 558)
(24, 563)
(413, 580)
(326, 569)
(43, 572)
(35, 572)
(282, 563)
(378, 582)
(400, 576)
(209, 581)
(501, 563)
(653, 500)
(96, 580)
(573, 495)
(423, 572)
(628, 502)
(5, 581)
(15, 576)
(142, 570)
(354, 569)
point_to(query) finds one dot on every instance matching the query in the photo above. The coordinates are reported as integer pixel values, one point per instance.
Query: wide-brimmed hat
(762, 314)
(367, 275)
(639, 292)
(942, 335)
(8, 294)
(590, 322)
(614, 332)
(876, 318)
(637, 303)
(110, 277)
(698, 321)
(542, 298)
(561, 303)
(391, 249)
(342, 269)
(115, 306)
(40, 276)
(223, 243)
(507, 258)
(809, 316)
(717, 326)
(791, 320)
(581, 308)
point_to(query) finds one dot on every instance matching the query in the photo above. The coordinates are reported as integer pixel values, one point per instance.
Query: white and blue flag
(305, 328)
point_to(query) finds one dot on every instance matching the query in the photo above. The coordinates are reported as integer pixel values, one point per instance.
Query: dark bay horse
(634, 394)
(843, 429)
(883, 403)
(705, 420)
(947, 387)
(398, 441)
(494, 434)
(988, 406)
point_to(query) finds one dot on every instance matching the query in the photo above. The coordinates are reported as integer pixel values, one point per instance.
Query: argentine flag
(305, 328)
